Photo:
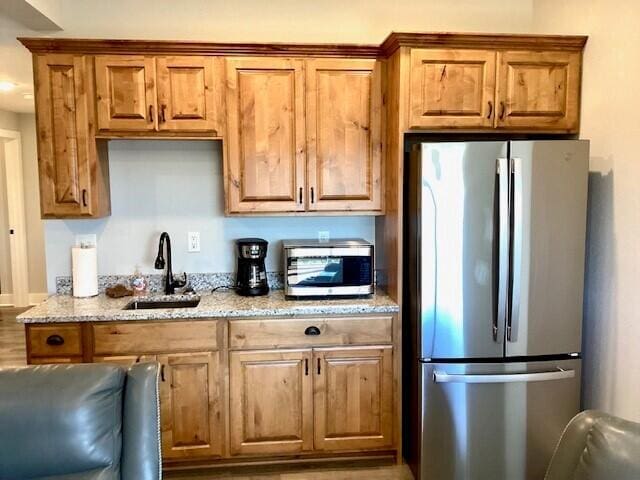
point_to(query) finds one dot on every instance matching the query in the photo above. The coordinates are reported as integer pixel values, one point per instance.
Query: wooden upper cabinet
(353, 399)
(72, 177)
(188, 93)
(451, 88)
(539, 90)
(126, 92)
(271, 397)
(265, 161)
(191, 405)
(344, 134)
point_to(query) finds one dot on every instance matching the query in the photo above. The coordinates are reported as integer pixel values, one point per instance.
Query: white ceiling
(329, 21)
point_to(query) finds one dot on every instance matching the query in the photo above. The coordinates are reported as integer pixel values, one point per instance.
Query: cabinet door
(539, 90)
(64, 153)
(126, 92)
(191, 405)
(264, 168)
(353, 398)
(187, 93)
(271, 402)
(344, 134)
(452, 88)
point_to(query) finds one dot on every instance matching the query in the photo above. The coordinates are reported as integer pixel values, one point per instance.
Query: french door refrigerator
(495, 245)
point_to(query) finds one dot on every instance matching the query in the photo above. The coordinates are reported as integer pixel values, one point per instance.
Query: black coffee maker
(251, 276)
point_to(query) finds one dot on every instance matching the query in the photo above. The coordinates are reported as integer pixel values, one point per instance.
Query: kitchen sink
(151, 304)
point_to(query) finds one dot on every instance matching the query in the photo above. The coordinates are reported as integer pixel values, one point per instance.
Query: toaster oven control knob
(312, 331)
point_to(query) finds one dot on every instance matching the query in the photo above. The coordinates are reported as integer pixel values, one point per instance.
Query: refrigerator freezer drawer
(498, 421)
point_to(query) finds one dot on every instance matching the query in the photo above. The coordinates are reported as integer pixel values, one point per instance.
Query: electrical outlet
(323, 236)
(193, 242)
(87, 240)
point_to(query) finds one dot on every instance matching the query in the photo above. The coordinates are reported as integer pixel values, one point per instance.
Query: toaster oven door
(328, 272)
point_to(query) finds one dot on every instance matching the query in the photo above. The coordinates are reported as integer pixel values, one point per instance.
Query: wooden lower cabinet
(271, 402)
(191, 405)
(251, 389)
(327, 399)
(353, 398)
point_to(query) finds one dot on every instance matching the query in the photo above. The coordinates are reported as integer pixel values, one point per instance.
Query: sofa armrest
(141, 448)
(571, 445)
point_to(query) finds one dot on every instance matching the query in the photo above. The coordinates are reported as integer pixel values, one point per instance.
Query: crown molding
(505, 41)
(170, 47)
(395, 40)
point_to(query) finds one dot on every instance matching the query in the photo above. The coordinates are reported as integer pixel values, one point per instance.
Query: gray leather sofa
(80, 422)
(597, 446)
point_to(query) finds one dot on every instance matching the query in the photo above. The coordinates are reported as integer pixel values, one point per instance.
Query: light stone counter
(64, 308)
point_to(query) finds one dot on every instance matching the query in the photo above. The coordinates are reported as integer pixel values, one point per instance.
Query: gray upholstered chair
(597, 446)
(80, 422)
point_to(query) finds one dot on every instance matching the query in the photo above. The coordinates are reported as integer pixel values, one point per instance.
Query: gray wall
(177, 186)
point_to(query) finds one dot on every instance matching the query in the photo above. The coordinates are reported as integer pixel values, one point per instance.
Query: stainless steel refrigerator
(495, 245)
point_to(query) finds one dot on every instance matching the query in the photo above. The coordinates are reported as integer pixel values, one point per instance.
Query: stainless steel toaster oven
(341, 267)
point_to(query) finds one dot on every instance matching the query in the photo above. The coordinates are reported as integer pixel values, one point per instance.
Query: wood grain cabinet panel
(256, 333)
(126, 92)
(54, 340)
(271, 402)
(266, 135)
(353, 401)
(344, 134)
(539, 90)
(69, 169)
(191, 405)
(187, 93)
(451, 88)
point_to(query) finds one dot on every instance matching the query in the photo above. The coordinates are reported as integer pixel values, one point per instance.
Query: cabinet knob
(55, 340)
(84, 197)
(490, 109)
(501, 111)
(312, 331)
(150, 113)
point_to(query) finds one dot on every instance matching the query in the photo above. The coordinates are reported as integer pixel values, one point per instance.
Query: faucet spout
(170, 283)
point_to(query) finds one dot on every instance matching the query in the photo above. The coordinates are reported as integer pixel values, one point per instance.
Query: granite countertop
(227, 304)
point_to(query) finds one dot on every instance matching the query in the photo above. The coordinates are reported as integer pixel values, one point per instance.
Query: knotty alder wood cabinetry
(138, 93)
(487, 89)
(344, 134)
(266, 152)
(273, 146)
(248, 389)
(304, 126)
(73, 170)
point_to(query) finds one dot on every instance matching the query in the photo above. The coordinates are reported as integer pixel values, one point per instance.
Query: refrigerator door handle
(502, 165)
(559, 374)
(516, 287)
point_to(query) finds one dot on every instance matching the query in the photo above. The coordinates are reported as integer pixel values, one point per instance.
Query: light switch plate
(193, 242)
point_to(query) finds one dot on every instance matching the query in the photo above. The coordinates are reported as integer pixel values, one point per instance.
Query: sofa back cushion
(612, 451)
(60, 419)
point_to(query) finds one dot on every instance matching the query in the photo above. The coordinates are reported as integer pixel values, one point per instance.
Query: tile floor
(13, 353)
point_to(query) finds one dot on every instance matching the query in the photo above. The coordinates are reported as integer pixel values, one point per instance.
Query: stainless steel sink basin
(151, 304)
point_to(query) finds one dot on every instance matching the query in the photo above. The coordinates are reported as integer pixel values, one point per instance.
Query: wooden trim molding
(395, 40)
(175, 47)
(492, 41)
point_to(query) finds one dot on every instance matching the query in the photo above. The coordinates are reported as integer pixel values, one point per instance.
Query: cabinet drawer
(287, 332)
(155, 337)
(55, 340)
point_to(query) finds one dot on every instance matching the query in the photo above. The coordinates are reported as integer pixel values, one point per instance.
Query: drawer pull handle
(312, 331)
(55, 340)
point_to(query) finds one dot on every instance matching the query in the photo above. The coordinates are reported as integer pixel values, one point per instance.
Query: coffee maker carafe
(251, 276)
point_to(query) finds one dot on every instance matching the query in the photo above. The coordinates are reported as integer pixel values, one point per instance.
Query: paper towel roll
(84, 265)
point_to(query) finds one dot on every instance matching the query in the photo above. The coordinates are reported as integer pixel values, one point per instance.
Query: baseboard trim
(6, 299)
